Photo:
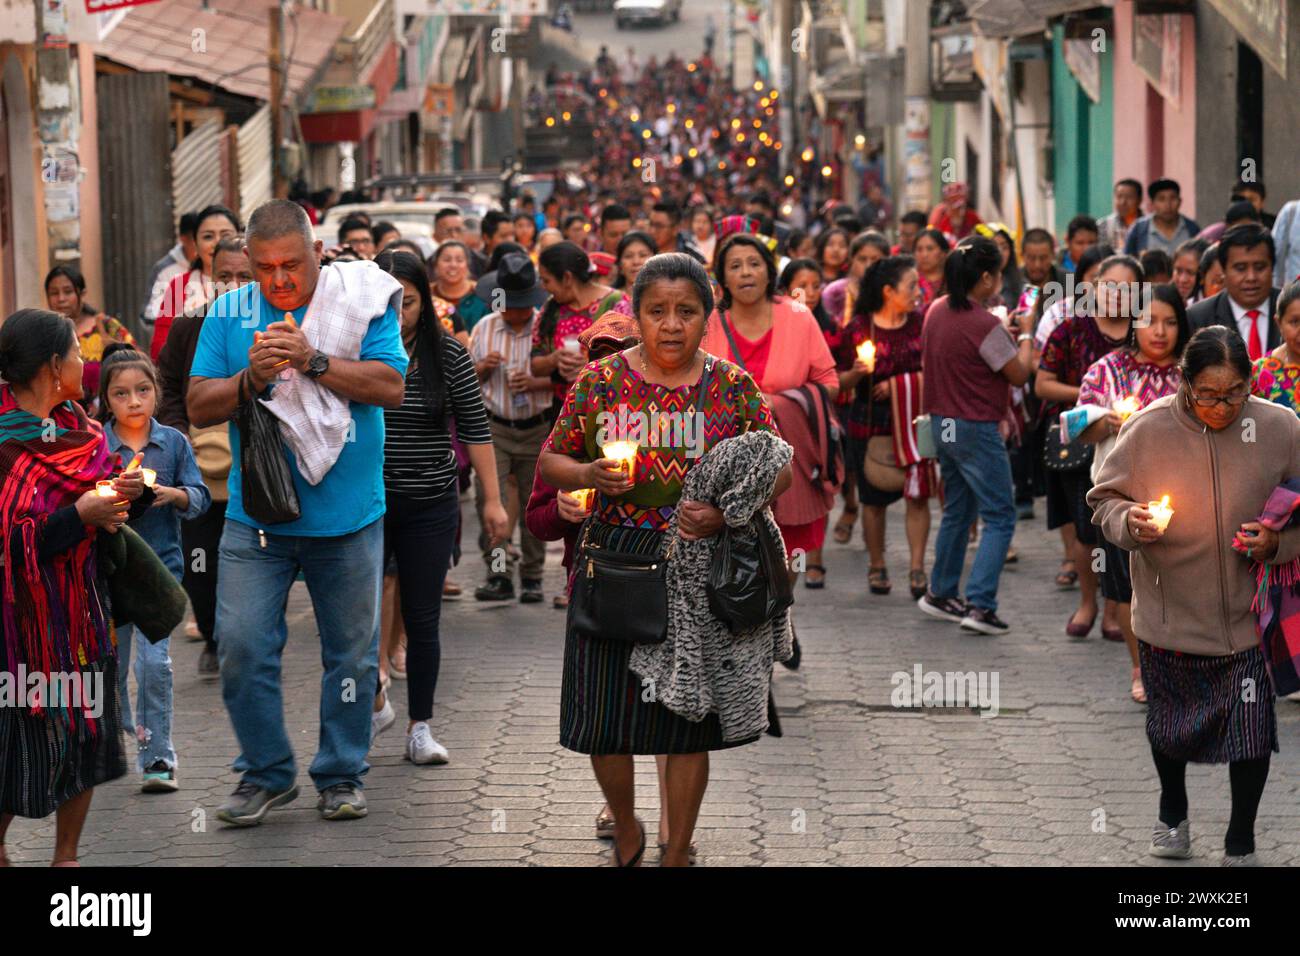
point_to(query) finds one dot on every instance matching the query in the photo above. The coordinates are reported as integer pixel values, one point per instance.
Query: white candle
(867, 354)
(584, 497)
(624, 452)
(150, 476)
(571, 344)
(1161, 513)
(105, 489)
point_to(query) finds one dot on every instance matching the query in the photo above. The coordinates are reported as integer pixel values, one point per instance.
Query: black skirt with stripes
(47, 760)
(1209, 709)
(602, 709)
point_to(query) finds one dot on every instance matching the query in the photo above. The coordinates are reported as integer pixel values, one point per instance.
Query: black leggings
(203, 535)
(1246, 778)
(421, 534)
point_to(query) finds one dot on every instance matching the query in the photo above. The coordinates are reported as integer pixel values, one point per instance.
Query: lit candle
(1161, 513)
(623, 452)
(584, 497)
(571, 344)
(135, 461)
(1126, 406)
(150, 476)
(867, 354)
(105, 489)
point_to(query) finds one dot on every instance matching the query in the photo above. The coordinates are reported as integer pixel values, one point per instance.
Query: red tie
(1253, 344)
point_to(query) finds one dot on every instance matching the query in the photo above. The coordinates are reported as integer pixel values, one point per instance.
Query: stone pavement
(853, 781)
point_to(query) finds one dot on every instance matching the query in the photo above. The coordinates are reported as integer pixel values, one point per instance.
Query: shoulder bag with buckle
(1065, 456)
(624, 597)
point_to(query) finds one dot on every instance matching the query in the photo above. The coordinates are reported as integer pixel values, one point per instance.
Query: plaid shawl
(53, 612)
(1277, 599)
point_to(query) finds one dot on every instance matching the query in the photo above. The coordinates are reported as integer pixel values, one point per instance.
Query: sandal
(878, 580)
(691, 851)
(560, 602)
(1136, 690)
(1012, 557)
(918, 584)
(820, 583)
(605, 824)
(636, 857)
(450, 590)
(844, 527)
(1067, 579)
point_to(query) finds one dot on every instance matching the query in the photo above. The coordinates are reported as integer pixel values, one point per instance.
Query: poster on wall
(1157, 50)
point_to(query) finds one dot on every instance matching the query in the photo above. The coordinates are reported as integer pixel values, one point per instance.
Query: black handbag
(266, 483)
(620, 597)
(747, 583)
(1067, 456)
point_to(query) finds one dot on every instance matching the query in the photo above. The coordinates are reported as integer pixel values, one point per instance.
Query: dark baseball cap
(516, 277)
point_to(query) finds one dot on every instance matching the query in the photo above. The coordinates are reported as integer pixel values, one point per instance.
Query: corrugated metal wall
(255, 162)
(135, 187)
(196, 170)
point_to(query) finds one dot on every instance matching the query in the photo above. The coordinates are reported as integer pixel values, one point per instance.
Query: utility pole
(916, 108)
(275, 58)
(57, 129)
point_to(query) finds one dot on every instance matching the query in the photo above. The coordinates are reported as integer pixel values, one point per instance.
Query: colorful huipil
(610, 401)
(556, 322)
(1276, 380)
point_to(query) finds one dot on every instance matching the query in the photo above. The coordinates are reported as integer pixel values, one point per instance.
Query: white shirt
(1261, 321)
(493, 334)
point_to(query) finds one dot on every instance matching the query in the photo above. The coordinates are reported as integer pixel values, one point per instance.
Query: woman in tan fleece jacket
(1217, 453)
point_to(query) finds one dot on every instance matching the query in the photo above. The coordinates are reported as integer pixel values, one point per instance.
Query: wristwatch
(1024, 337)
(317, 365)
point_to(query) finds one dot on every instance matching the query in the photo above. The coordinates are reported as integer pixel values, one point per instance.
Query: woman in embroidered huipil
(603, 711)
(1145, 369)
(1276, 376)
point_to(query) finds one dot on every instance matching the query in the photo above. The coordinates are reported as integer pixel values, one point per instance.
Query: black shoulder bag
(624, 597)
(266, 483)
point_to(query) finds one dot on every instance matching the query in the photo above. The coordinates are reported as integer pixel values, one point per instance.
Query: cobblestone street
(854, 781)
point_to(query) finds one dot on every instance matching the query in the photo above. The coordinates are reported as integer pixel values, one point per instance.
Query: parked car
(628, 12)
(414, 220)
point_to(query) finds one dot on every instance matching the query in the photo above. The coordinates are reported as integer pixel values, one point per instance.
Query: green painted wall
(943, 143)
(1081, 133)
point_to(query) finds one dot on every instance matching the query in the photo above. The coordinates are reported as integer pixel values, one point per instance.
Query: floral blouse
(610, 401)
(1275, 380)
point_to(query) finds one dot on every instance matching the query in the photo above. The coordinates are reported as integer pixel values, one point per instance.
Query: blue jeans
(153, 707)
(976, 481)
(344, 578)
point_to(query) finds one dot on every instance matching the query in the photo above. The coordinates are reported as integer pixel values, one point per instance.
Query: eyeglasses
(1232, 400)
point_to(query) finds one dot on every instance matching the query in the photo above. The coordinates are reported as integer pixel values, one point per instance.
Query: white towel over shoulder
(314, 421)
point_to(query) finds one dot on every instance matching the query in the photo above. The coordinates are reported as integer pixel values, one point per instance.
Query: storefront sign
(341, 99)
(103, 6)
(1262, 24)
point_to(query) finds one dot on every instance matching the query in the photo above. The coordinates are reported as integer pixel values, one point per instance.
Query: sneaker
(249, 803)
(945, 609)
(498, 588)
(343, 801)
(421, 748)
(382, 719)
(159, 778)
(1247, 859)
(209, 665)
(1172, 843)
(984, 621)
(532, 592)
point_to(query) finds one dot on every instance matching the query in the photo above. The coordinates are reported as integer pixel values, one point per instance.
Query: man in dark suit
(1248, 302)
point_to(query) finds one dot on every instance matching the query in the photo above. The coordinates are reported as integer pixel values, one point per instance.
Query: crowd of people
(323, 405)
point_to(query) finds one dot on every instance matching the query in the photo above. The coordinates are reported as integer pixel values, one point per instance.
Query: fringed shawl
(54, 617)
(1277, 597)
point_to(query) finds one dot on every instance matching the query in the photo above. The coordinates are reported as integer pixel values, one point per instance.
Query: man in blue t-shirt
(248, 337)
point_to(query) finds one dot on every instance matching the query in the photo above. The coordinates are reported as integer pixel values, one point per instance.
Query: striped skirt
(1209, 709)
(602, 710)
(45, 761)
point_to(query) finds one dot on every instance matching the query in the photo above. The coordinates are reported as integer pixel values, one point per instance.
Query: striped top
(494, 334)
(419, 461)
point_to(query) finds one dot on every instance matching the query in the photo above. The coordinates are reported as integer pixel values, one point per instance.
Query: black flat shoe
(820, 583)
(636, 857)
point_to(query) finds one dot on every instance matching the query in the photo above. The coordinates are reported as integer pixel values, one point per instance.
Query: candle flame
(1164, 502)
(867, 354)
(1126, 406)
(620, 450)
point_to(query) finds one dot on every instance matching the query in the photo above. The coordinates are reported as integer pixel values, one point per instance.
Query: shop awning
(166, 37)
(1011, 18)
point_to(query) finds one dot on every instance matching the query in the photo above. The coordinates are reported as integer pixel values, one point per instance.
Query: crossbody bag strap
(731, 339)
